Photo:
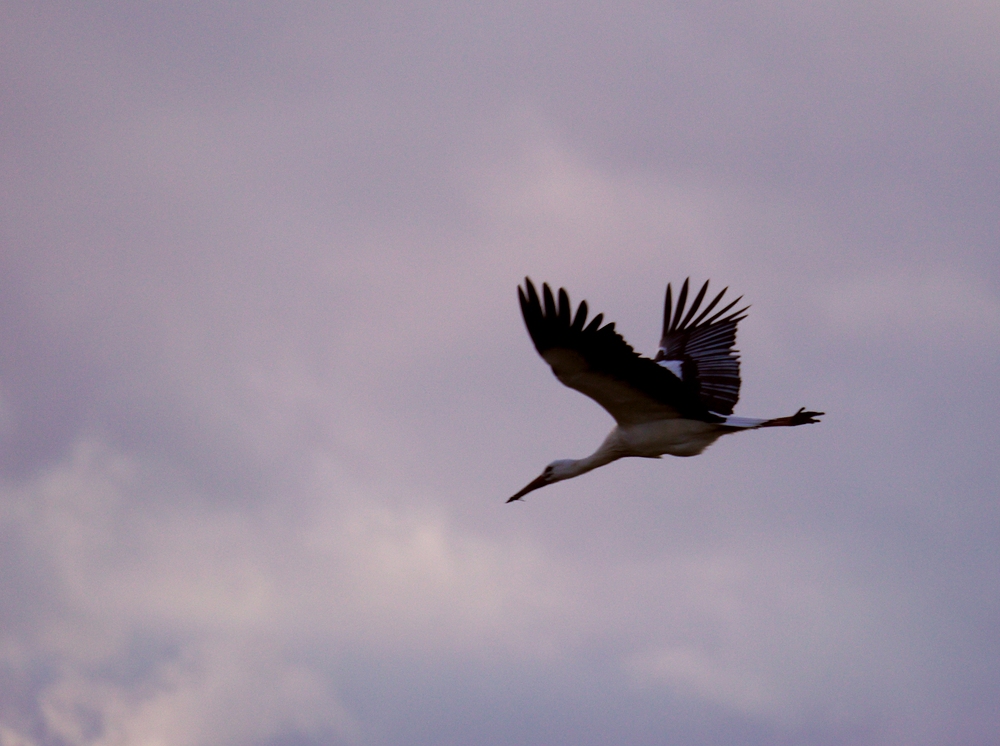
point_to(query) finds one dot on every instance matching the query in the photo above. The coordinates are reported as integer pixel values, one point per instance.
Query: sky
(264, 384)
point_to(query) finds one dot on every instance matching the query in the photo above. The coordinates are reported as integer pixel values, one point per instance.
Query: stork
(678, 403)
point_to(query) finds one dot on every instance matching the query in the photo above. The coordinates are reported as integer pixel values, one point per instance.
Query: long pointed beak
(534, 485)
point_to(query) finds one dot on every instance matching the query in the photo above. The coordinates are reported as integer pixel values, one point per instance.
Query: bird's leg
(802, 417)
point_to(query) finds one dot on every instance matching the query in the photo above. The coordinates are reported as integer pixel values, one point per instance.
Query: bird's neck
(609, 451)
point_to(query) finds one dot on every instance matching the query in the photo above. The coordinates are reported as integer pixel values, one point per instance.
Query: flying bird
(678, 403)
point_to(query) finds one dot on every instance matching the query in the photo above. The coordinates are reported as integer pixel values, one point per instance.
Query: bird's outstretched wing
(596, 361)
(703, 348)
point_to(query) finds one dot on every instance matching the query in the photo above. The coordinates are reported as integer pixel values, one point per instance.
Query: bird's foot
(802, 417)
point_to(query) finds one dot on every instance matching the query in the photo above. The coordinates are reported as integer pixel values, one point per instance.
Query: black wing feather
(704, 347)
(598, 362)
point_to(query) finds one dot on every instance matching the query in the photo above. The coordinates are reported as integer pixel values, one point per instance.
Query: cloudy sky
(264, 385)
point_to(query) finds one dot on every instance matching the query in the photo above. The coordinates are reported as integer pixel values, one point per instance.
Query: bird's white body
(673, 437)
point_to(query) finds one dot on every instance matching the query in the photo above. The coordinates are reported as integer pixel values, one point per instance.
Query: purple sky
(264, 384)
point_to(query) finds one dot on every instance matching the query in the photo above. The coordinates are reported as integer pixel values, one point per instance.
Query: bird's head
(554, 472)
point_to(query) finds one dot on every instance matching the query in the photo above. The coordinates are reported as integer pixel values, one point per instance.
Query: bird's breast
(674, 437)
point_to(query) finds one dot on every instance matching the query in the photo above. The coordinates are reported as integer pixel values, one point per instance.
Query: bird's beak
(534, 485)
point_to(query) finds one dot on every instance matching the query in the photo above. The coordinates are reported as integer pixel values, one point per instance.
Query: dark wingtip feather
(681, 300)
(564, 308)
(532, 293)
(595, 323)
(694, 305)
(723, 311)
(667, 308)
(581, 317)
(710, 306)
(550, 304)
